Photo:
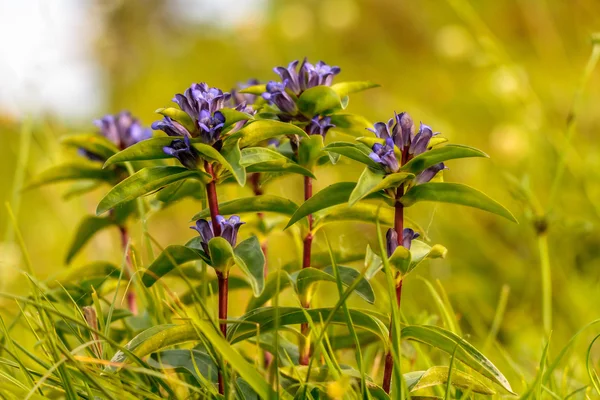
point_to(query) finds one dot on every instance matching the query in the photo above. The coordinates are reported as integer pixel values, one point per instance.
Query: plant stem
(306, 253)
(131, 298)
(546, 282)
(399, 228)
(211, 194)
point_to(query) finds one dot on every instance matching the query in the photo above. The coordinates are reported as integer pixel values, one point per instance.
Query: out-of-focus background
(500, 76)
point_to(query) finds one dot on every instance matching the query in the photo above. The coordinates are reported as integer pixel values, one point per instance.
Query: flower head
(319, 74)
(276, 94)
(384, 155)
(202, 103)
(122, 129)
(428, 174)
(229, 230)
(408, 235)
(184, 152)
(319, 126)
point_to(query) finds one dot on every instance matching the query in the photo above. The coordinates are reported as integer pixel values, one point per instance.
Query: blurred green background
(500, 76)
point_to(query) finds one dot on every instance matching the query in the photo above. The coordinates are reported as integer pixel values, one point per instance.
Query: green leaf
(188, 360)
(270, 289)
(255, 89)
(143, 182)
(345, 88)
(421, 251)
(251, 260)
(180, 190)
(290, 167)
(465, 352)
(454, 193)
(350, 124)
(260, 130)
(374, 181)
(319, 100)
(221, 254)
(88, 227)
(149, 149)
(356, 151)
(97, 269)
(233, 156)
(245, 327)
(256, 155)
(309, 150)
(92, 142)
(298, 373)
(232, 116)
(169, 259)
(180, 116)
(306, 277)
(262, 203)
(71, 172)
(438, 375)
(440, 154)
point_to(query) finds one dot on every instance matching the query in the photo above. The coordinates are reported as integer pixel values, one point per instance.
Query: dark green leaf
(88, 227)
(309, 150)
(270, 289)
(251, 260)
(438, 155)
(465, 352)
(260, 130)
(71, 172)
(355, 151)
(230, 159)
(306, 277)
(92, 142)
(256, 155)
(372, 181)
(348, 276)
(345, 88)
(455, 193)
(189, 360)
(221, 254)
(263, 203)
(289, 167)
(143, 182)
(180, 116)
(232, 116)
(319, 100)
(180, 190)
(149, 149)
(170, 258)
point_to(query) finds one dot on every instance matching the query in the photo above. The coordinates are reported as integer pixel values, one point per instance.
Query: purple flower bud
(229, 230)
(277, 95)
(319, 126)
(408, 235)
(421, 140)
(122, 129)
(384, 155)
(319, 74)
(429, 173)
(403, 130)
(170, 127)
(184, 152)
(290, 76)
(391, 236)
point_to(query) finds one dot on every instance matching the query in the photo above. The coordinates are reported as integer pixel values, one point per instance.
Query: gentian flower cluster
(408, 235)
(399, 132)
(122, 129)
(229, 230)
(184, 152)
(202, 103)
(319, 126)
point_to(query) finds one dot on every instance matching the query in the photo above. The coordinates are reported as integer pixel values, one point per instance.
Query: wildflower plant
(250, 137)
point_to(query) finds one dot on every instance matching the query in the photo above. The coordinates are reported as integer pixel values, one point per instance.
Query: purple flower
(229, 230)
(420, 141)
(202, 103)
(184, 152)
(319, 74)
(276, 94)
(429, 173)
(319, 126)
(122, 129)
(384, 155)
(246, 99)
(408, 235)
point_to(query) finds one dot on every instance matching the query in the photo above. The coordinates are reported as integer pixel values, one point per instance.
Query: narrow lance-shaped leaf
(190, 360)
(259, 130)
(346, 88)
(440, 154)
(92, 142)
(143, 182)
(356, 151)
(231, 163)
(251, 260)
(276, 167)
(149, 149)
(372, 181)
(256, 155)
(168, 260)
(350, 124)
(438, 375)
(88, 227)
(455, 193)
(178, 115)
(232, 116)
(71, 172)
(307, 277)
(262, 203)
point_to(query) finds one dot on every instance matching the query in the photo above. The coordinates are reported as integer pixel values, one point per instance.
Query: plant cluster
(250, 136)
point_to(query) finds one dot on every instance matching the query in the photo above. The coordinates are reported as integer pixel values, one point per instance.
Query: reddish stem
(211, 194)
(399, 228)
(306, 253)
(131, 298)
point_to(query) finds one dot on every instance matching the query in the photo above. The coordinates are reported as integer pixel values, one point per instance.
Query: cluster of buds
(229, 230)
(399, 134)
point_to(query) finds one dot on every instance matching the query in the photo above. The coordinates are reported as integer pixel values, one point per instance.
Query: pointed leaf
(262, 203)
(455, 193)
(88, 227)
(256, 155)
(180, 190)
(261, 130)
(465, 352)
(143, 182)
(348, 276)
(350, 124)
(169, 259)
(251, 260)
(221, 254)
(180, 116)
(309, 150)
(307, 277)
(92, 142)
(232, 116)
(189, 360)
(319, 100)
(71, 172)
(356, 151)
(270, 289)
(345, 88)
(440, 154)
(255, 89)
(421, 251)
(96, 269)
(233, 155)
(289, 167)
(439, 376)
(374, 181)
(149, 149)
